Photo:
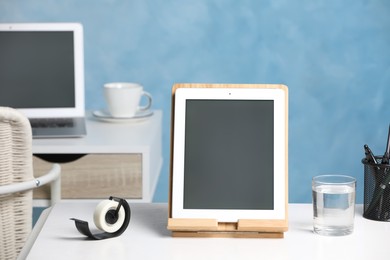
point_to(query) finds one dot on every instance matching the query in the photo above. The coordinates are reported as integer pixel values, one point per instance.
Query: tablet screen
(229, 154)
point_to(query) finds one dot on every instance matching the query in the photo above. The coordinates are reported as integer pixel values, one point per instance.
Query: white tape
(99, 216)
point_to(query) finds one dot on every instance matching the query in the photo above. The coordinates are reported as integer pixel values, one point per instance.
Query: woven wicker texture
(15, 166)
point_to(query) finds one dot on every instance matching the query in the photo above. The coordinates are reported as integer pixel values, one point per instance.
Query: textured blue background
(333, 55)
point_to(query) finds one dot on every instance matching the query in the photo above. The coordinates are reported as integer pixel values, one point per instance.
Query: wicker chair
(17, 182)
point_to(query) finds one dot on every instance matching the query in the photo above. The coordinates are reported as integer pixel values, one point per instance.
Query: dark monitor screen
(229, 154)
(37, 69)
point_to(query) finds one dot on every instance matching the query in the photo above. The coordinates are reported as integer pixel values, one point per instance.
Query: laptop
(42, 75)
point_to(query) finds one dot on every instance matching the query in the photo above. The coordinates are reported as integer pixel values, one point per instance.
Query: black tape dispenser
(111, 216)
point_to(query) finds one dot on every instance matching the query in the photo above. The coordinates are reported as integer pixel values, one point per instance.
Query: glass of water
(333, 204)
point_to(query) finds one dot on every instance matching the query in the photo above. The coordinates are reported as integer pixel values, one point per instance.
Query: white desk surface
(148, 238)
(106, 137)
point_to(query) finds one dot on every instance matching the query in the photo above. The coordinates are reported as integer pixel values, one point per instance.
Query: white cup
(123, 99)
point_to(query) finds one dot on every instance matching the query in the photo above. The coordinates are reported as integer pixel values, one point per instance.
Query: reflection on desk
(148, 238)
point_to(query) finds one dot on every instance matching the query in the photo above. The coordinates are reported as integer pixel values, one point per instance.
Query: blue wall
(334, 56)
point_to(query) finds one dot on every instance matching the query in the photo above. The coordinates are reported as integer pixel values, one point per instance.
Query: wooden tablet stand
(244, 228)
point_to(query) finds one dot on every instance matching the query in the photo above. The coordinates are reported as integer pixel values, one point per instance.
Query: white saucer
(105, 116)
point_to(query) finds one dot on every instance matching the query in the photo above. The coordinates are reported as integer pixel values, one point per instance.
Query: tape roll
(100, 213)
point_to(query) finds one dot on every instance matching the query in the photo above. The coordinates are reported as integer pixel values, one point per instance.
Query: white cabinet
(121, 159)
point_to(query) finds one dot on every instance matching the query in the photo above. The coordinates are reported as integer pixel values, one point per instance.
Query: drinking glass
(333, 204)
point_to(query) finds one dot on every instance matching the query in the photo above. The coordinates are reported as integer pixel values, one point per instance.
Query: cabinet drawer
(95, 176)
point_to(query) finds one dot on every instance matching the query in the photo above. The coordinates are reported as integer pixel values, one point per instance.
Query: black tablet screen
(229, 154)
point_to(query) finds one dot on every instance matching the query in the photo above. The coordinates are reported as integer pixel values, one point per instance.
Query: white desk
(148, 238)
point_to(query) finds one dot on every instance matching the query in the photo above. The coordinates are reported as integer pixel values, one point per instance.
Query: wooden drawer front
(95, 176)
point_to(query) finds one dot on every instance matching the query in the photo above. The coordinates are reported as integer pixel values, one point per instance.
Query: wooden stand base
(244, 228)
(206, 234)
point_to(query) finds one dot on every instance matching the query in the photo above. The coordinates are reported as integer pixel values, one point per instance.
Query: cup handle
(149, 104)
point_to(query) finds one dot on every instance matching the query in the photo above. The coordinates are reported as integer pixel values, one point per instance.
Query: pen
(385, 159)
(369, 155)
(386, 193)
(370, 158)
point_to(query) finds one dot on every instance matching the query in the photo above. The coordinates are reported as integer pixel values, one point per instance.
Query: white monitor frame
(279, 97)
(77, 29)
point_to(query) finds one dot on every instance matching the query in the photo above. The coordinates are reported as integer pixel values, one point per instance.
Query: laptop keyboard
(51, 122)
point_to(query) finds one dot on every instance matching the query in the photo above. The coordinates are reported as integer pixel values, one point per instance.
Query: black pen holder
(376, 190)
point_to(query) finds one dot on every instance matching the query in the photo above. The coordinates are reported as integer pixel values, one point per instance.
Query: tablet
(229, 157)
